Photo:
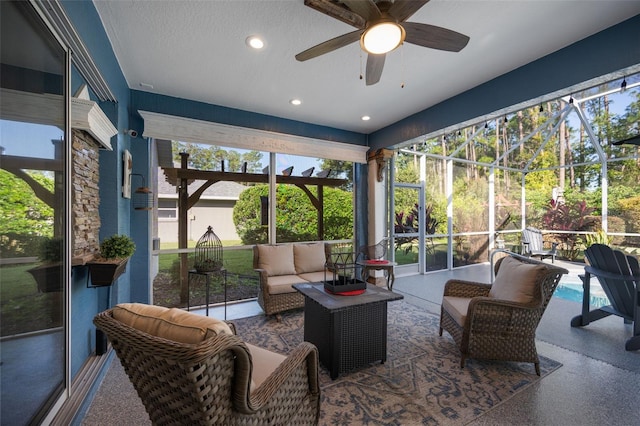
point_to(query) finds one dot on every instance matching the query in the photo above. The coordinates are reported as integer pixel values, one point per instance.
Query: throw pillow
(308, 257)
(276, 260)
(517, 281)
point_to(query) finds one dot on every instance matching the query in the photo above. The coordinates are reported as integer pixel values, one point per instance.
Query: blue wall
(114, 210)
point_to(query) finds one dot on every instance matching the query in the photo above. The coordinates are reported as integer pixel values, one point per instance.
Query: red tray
(346, 293)
(376, 262)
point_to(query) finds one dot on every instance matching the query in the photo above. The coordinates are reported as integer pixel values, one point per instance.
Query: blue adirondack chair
(619, 276)
(532, 245)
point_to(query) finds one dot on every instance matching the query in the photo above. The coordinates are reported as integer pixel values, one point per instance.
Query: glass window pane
(32, 216)
(323, 210)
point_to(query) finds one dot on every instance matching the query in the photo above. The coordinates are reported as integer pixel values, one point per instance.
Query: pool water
(569, 289)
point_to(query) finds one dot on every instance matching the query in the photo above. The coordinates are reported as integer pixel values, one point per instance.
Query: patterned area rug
(420, 384)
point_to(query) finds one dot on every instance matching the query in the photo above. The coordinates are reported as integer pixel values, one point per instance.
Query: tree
(341, 169)
(296, 218)
(210, 157)
(26, 219)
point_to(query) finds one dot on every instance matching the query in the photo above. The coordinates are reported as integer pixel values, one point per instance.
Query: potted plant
(115, 252)
(48, 275)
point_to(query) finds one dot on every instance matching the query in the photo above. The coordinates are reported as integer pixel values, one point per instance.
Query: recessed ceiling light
(255, 42)
(295, 102)
(366, 118)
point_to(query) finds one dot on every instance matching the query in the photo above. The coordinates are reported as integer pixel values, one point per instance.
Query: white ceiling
(196, 50)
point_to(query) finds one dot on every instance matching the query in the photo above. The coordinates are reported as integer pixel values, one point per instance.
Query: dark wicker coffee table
(349, 331)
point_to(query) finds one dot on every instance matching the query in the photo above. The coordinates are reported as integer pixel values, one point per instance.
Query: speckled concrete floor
(598, 383)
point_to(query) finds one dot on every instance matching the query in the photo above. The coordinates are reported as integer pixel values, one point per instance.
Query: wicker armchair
(218, 380)
(499, 321)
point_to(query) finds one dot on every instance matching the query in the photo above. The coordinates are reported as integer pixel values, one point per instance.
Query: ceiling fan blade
(367, 8)
(329, 45)
(403, 9)
(375, 64)
(337, 11)
(434, 37)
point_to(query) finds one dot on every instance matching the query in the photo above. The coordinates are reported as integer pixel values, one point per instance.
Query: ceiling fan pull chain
(402, 65)
(360, 64)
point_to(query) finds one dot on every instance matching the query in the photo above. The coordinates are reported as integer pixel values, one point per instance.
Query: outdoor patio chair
(619, 276)
(191, 369)
(533, 245)
(498, 321)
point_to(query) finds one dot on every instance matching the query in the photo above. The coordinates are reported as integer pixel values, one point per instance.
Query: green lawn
(24, 309)
(235, 261)
(192, 244)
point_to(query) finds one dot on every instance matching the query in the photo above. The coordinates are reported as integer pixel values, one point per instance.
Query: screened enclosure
(569, 167)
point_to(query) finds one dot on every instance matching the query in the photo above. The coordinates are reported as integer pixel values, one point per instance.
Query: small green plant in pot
(115, 252)
(48, 275)
(117, 247)
(51, 250)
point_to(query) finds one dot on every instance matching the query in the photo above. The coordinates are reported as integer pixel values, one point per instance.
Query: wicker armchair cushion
(316, 277)
(264, 363)
(281, 284)
(309, 257)
(457, 307)
(517, 281)
(276, 260)
(171, 324)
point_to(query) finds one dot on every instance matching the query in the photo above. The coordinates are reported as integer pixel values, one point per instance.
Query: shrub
(296, 218)
(599, 237)
(565, 217)
(51, 250)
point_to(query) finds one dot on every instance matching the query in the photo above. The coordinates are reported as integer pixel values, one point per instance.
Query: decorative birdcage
(208, 252)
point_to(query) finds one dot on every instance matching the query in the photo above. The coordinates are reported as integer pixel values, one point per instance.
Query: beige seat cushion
(171, 324)
(517, 281)
(282, 284)
(308, 257)
(276, 260)
(316, 277)
(457, 308)
(264, 363)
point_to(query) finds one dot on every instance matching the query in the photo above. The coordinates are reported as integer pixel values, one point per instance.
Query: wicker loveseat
(191, 369)
(499, 321)
(282, 265)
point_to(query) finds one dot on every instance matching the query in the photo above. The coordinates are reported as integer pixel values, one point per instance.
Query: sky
(28, 139)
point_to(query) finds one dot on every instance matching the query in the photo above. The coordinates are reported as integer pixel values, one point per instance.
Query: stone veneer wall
(86, 196)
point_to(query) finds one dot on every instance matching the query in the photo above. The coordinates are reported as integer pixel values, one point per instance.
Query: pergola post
(183, 208)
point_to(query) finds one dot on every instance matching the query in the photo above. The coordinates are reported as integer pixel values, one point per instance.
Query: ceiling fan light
(382, 38)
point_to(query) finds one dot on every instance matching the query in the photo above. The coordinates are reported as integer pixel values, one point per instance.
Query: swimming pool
(570, 288)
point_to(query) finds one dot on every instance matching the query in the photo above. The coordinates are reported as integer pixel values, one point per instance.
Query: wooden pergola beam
(174, 175)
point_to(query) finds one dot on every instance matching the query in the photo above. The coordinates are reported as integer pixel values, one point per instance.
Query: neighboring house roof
(219, 190)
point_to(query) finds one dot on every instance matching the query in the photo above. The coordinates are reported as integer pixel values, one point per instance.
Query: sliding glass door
(33, 215)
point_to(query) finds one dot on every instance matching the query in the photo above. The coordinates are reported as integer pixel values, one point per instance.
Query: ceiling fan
(381, 28)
